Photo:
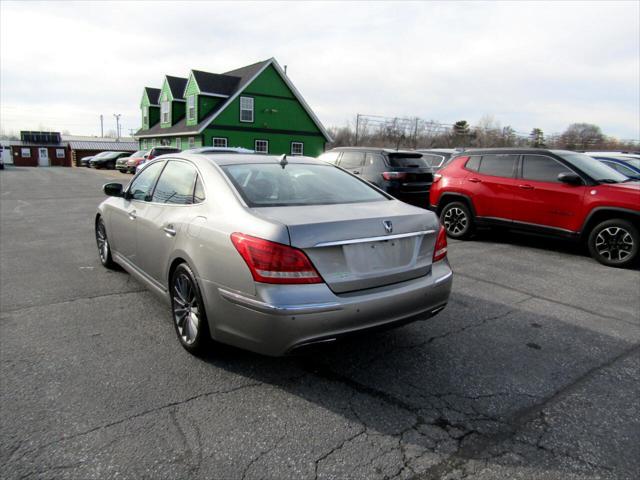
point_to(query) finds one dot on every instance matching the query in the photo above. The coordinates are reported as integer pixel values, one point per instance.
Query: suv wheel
(614, 243)
(457, 220)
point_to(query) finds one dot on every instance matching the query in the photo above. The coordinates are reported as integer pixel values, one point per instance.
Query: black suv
(403, 174)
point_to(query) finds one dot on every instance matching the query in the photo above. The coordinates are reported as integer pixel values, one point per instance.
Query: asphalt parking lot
(532, 370)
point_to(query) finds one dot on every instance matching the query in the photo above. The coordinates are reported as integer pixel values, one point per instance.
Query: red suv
(545, 191)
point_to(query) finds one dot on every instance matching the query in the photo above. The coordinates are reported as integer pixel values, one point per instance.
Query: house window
(166, 112)
(145, 116)
(165, 142)
(219, 142)
(25, 152)
(179, 143)
(192, 142)
(191, 107)
(246, 109)
(153, 142)
(144, 144)
(59, 152)
(297, 148)
(262, 146)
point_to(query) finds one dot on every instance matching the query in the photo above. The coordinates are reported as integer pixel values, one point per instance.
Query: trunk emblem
(388, 226)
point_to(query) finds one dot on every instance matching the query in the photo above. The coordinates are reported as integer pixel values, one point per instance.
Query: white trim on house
(223, 139)
(179, 143)
(219, 95)
(189, 107)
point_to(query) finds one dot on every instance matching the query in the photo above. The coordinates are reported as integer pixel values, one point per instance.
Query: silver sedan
(271, 254)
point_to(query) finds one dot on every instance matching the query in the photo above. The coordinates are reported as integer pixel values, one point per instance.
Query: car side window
(141, 186)
(498, 165)
(198, 192)
(473, 163)
(352, 159)
(375, 159)
(331, 157)
(176, 184)
(542, 169)
(621, 168)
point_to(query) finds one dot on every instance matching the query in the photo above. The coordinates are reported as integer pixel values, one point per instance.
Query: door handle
(132, 215)
(525, 187)
(474, 180)
(169, 230)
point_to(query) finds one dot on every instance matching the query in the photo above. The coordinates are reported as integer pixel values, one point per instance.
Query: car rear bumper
(282, 318)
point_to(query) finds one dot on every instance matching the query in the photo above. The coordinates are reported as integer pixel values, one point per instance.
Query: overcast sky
(528, 65)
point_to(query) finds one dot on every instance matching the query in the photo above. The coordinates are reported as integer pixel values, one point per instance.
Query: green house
(255, 107)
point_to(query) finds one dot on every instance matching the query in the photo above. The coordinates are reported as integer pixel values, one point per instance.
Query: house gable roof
(153, 95)
(246, 75)
(176, 87)
(215, 84)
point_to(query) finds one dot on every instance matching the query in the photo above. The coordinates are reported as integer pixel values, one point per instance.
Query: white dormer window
(191, 107)
(145, 115)
(246, 109)
(165, 108)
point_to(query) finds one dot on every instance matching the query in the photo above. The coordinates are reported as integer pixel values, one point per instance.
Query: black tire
(104, 248)
(457, 220)
(614, 243)
(187, 309)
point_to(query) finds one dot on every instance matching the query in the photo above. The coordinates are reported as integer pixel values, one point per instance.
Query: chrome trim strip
(264, 307)
(374, 239)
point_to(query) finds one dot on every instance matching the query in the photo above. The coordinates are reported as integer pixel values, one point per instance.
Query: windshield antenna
(283, 161)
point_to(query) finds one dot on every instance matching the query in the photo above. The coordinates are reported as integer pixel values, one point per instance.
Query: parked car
(437, 157)
(107, 159)
(302, 252)
(86, 161)
(121, 163)
(156, 152)
(554, 192)
(219, 150)
(136, 159)
(628, 166)
(403, 174)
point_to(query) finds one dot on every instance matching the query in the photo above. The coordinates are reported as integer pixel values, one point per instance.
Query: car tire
(457, 220)
(104, 248)
(614, 243)
(188, 311)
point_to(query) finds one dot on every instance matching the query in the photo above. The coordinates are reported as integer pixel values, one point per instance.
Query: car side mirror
(145, 156)
(570, 178)
(113, 189)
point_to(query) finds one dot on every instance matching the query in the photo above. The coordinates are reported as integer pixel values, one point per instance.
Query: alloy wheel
(455, 220)
(103, 242)
(186, 309)
(614, 243)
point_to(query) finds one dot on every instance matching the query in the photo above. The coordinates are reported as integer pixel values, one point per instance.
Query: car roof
(370, 149)
(438, 150)
(242, 158)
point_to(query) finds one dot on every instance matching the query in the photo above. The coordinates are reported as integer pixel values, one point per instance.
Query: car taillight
(440, 250)
(436, 177)
(272, 262)
(394, 175)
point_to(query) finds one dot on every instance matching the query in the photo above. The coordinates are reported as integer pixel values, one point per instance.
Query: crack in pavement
(546, 299)
(130, 417)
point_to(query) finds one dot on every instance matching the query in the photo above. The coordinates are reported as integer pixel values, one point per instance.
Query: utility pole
(357, 125)
(101, 125)
(117, 115)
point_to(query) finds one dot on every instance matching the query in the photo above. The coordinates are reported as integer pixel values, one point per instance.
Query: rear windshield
(406, 161)
(270, 185)
(139, 153)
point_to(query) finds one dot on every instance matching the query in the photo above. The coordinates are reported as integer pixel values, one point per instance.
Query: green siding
(270, 82)
(279, 143)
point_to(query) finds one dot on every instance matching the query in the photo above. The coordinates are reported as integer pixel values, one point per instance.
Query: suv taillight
(436, 177)
(272, 262)
(440, 250)
(394, 175)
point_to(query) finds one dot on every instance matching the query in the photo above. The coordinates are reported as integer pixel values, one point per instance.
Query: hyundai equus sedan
(272, 253)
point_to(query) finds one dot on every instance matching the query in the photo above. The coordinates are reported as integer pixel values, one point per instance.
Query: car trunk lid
(364, 245)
